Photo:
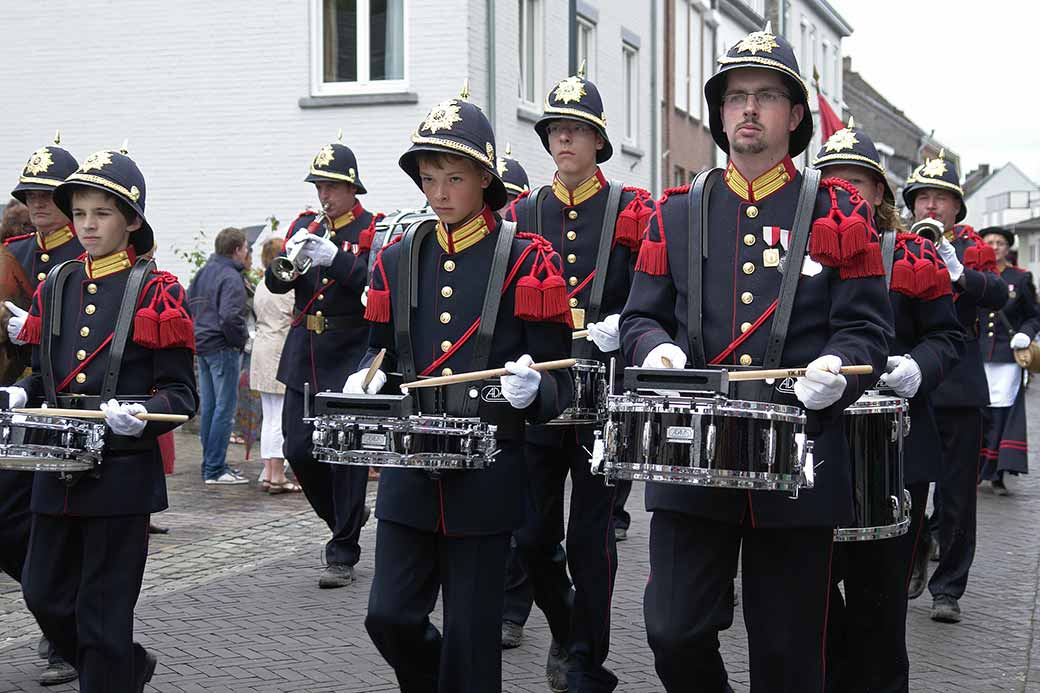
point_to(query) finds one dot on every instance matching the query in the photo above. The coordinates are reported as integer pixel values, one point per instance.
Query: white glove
(521, 386)
(655, 359)
(15, 324)
(1020, 341)
(949, 255)
(822, 385)
(120, 418)
(319, 249)
(354, 381)
(903, 375)
(295, 240)
(605, 333)
(16, 397)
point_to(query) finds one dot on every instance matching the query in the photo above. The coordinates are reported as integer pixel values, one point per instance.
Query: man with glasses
(759, 289)
(595, 225)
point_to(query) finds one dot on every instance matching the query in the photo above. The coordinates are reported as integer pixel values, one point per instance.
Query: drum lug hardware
(709, 444)
(646, 442)
(770, 440)
(895, 507)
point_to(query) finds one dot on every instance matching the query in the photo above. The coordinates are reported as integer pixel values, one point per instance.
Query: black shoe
(620, 533)
(43, 648)
(336, 575)
(58, 671)
(999, 489)
(512, 634)
(919, 576)
(156, 529)
(556, 666)
(147, 671)
(946, 609)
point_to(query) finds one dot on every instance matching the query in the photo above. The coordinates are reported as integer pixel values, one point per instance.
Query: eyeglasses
(569, 129)
(765, 98)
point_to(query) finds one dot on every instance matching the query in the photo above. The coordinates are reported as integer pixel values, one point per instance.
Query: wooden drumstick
(376, 363)
(474, 376)
(775, 373)
(579, 334)
(98, 414)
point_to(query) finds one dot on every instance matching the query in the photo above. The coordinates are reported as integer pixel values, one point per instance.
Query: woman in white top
(273, 315)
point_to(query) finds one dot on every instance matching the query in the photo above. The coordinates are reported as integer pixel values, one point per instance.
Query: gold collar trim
(348, 218)
(110, 264)
(55, 238)
(763, 186)
(583, 192)
(466, 235)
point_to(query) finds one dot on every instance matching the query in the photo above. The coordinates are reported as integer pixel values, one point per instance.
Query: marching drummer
(596, 225)
(327, 338)
(52, 243)
(89, 537)
(1004, 448)
(933, 191)
(450, 532)
(866, 630)
(514, 177)
(759, 114)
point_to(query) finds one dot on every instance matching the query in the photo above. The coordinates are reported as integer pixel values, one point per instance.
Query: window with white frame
(837, 71)
(359, 46)
(688, 60)
(806, 60)
(530, 83)
(630, 69)
(825, 68)
(587, 46)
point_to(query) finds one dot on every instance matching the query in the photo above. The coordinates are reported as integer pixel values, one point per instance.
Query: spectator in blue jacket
(217, 301)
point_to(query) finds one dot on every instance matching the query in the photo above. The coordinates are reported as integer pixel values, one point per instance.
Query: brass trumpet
(932, 229)
(289, 267)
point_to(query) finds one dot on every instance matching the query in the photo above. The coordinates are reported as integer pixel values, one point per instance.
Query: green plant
(196, 254)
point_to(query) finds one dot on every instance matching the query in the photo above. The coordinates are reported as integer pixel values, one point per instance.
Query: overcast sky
(967, 69)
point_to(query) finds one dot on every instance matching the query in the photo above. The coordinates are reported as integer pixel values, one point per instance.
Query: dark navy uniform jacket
(325, 358)
(452, 277)
(847, 317)
(965, 385)
(131, 480)
(927, 329)
(1021, 312)
(573, 223)
(37, 256)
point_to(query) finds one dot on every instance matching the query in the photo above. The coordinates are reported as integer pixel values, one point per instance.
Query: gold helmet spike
(815, 75)
(581, 69)
(57, 136)
(509, 149)
(464, 93)
(852, 122)
(942, 153)
(339, 135)
(125, 148)
(769, 27)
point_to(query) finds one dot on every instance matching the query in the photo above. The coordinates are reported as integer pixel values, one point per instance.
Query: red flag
(830, 123)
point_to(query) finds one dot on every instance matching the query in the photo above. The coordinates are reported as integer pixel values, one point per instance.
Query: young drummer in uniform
(52, 243)
(866, 628)
(327, 338)
(125, 346)
(840, 315)
(595, 225)
(933, 191)
(450, 533)
(1013, 327)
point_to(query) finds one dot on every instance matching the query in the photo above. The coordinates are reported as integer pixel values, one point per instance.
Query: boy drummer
(451, 533)
(89, 537)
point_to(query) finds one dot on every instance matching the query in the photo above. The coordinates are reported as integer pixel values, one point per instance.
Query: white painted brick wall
(207, 95)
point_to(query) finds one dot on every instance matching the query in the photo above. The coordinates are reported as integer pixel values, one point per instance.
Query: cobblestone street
(231, 603)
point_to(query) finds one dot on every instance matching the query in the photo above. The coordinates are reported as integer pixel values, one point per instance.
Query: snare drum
(415, 442)
(707, 441)
(39, 443)
(875, 426)
(590, 395)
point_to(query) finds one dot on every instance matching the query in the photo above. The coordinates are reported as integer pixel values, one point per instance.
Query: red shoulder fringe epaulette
(377, 305)
(653, 255)
(163, 322)
(846, 241)
(368, 235)
(632, 220)
(32, 327)
(978, 257)
(920, 273)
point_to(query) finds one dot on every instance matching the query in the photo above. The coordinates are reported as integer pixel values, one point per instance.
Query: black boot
(919, 576)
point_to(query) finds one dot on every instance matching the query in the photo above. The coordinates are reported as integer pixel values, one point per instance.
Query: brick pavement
(231, 604)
